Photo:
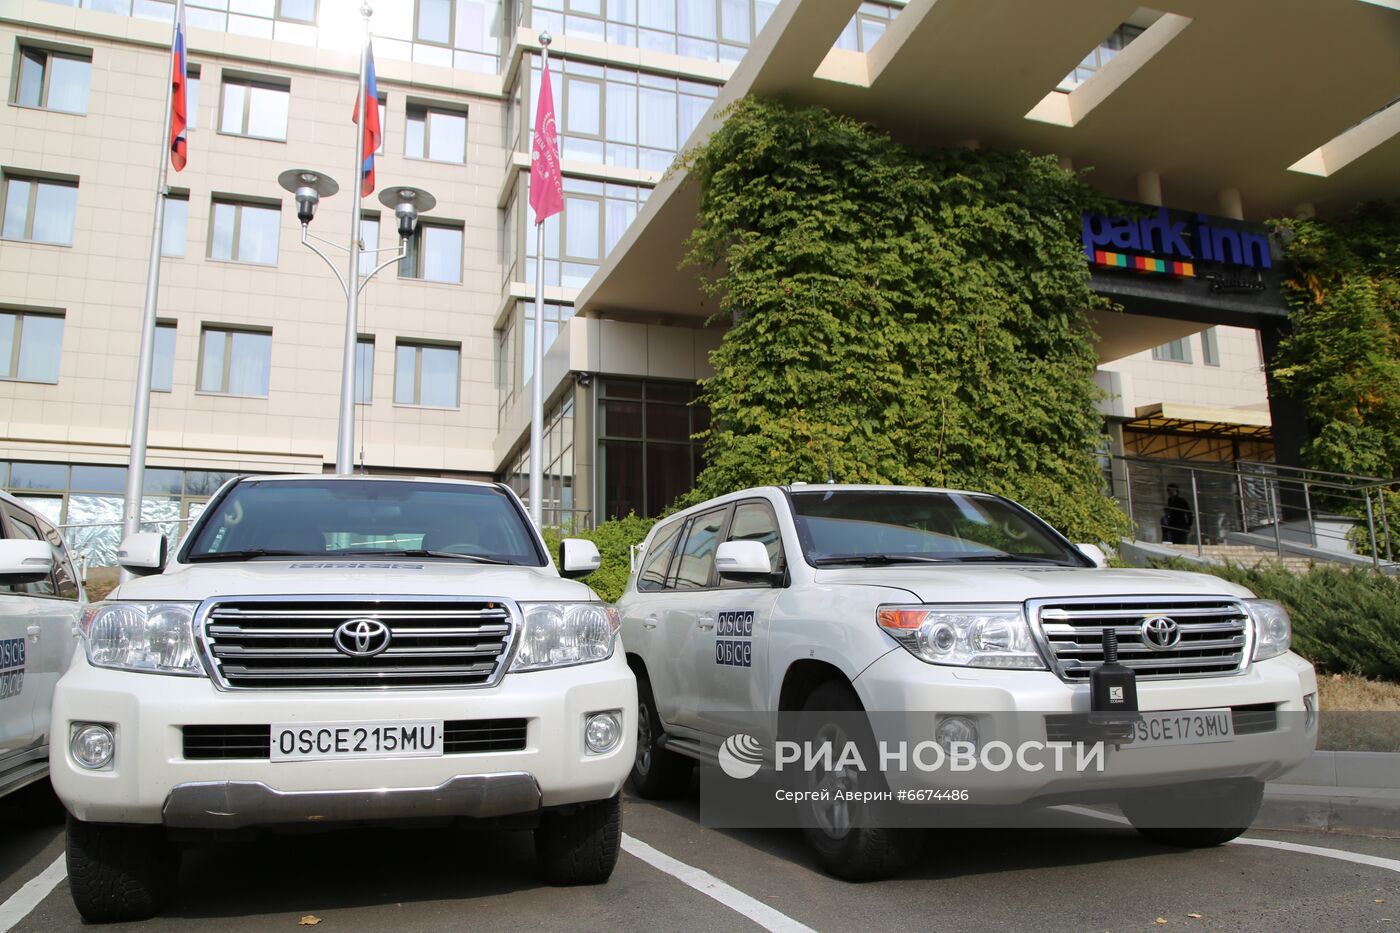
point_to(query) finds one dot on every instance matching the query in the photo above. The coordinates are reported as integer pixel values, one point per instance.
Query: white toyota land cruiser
(332, 650)
(964, 608)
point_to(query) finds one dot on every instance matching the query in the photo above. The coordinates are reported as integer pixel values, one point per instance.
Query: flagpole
(141, 408)
(537, 383)
(345, 436)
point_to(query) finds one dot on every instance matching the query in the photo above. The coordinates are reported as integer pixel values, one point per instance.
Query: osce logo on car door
(12, 662)
(734, 638)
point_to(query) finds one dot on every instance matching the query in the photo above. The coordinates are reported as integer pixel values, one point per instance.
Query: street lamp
(407, 203)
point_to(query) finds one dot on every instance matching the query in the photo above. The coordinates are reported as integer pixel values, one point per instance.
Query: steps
(1244, 555)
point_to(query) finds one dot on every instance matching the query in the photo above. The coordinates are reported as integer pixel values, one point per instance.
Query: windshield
(916, 527)
(351, 518)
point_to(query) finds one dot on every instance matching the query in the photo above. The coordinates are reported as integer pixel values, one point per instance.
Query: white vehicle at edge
(850, 598)
(336, 650)
(40, 601)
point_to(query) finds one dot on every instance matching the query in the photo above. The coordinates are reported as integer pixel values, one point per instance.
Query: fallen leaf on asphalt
(1160, 920)
(1194, 916)
(308, 921)
(1380, 900)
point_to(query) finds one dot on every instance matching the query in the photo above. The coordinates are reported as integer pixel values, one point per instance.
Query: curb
(1346, 769)
(1357, 810)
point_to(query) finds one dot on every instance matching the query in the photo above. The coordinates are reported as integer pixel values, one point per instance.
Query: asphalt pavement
(1082, 872)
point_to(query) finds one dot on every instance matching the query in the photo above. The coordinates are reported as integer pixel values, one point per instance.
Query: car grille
(459, 737)
(1214, 635)
(289, 643)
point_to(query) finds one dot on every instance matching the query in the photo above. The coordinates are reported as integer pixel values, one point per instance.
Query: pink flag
(546, 180)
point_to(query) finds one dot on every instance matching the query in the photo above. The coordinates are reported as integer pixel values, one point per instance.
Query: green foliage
(909, 317)
(614, 539)
(1343, 356)
(1345, 620)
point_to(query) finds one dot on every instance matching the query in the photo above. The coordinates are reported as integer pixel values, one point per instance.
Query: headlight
(560, 634)
(990, 635)
(1273, 631)
(155, 638)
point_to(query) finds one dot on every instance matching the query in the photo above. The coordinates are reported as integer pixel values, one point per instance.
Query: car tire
(580, 845)
(862, 852)
(657, 774)
(119, 873)
(1195, 816)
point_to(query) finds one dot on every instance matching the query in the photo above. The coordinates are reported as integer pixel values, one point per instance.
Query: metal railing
(1292, 505)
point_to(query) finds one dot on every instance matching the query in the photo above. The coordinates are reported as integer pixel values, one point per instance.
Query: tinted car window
(652, 576)
(754, 521)
(350, 518)
(64, 575)
(24, 526)
(698, 555)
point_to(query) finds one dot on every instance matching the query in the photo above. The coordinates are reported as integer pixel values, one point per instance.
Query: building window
(364, 370)
(163, 366)
(594, 218)
(557, 459)
(234, 362)
(1210, 347)
(426, 374)
(463, 34)
(866, 27)
(255, 108)
(383, 122)
(1101, 55)
(242, 232)
(369, 242)
(175, 225)
(30, 346)
(434, 254)
(297, 11)
(555, 317)
(646, 455)
(40, 210)
(713, 30)
(437, 135)
(1175, 351)
(191, 96)
(619, 116)
(53, 80)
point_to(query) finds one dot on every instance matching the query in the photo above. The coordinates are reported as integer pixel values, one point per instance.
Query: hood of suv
(950, 583)
(370, 577)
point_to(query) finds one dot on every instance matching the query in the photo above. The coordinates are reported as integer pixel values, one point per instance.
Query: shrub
(614, 539)
(1345, 620)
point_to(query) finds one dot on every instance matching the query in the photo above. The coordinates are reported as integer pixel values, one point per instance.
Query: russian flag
(373, 135)
(178, 122)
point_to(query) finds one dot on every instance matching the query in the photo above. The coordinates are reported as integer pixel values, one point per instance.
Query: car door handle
(649, 622)
(706, 623)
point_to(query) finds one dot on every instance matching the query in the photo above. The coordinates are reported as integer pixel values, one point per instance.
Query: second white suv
(953, 618)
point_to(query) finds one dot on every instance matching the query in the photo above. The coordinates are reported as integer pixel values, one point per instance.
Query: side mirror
(743, 561)
(142, 553)
(25, 561)
(1094, 553)
(578, 558)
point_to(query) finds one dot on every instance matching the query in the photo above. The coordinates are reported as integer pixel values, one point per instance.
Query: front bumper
(150, 780)
(1015, 707)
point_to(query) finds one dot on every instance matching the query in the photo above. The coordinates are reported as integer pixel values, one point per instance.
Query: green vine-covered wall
(912, 317)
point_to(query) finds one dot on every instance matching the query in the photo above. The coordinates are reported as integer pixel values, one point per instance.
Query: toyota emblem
(362, 638)
(1161, 633)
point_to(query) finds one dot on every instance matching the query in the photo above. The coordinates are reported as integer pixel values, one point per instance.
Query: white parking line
(1341, 855)
(710, 886)
(28, 897)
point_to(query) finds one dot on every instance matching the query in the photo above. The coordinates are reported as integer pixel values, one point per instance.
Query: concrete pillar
(1230, 204)
(1290, 419)
(1149, 186)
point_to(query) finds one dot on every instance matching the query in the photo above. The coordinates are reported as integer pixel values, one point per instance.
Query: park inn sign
(1173, 242)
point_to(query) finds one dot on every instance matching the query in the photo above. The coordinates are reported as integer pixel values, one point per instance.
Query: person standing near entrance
(1177, 517)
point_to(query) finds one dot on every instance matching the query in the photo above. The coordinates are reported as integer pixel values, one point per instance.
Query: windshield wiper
(872, 560)
(248, 554)
(419, 552)
(1006, 559)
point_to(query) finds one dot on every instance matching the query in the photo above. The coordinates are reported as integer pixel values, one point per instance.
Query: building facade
(251, 323)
